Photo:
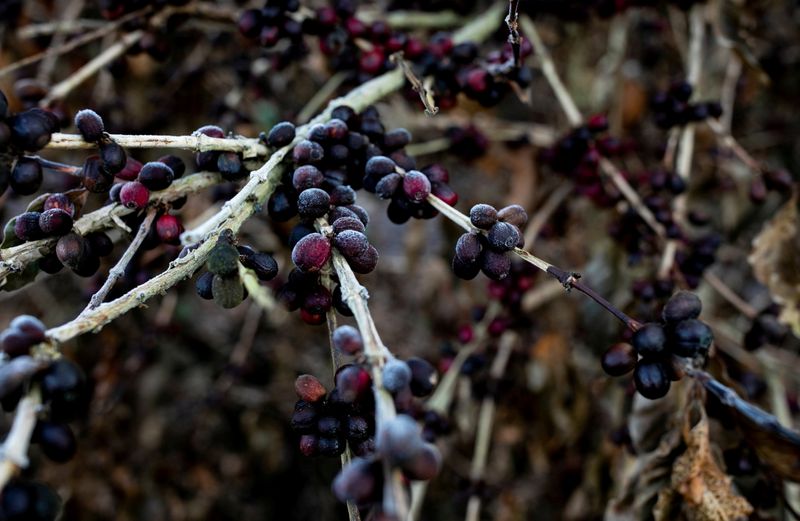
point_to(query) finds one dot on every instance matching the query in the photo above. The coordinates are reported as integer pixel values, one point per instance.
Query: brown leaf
(776, 262)
(706, 490)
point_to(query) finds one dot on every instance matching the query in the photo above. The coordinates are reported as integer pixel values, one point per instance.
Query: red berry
(131, 170)
(55, 222)
(26, 226)
(416, 186)
(169, 229)
(134, 195)
(371, 62)
(311, 252)
(309, 388)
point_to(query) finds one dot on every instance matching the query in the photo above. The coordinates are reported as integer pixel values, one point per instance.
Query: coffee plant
(321, 260)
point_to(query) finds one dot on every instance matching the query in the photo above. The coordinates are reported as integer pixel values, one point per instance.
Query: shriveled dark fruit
(513, 214)
(313, 203)
(30, 130)
(227, 292)
(90, 125)
(351, 243)
(347, 339)
(26, 226)
(100, 244)
(357, 428)
(281, 134)
(690, 338)
(175, 163)
(134, 195)
(651, 379)
(169, 229)
(306, 152)
(156, 176)
(56, 440)
(483, 216)
(26, 177)
(311, 252)
(307, 176)
(424, 377)
(469, 247)
(113, 157)
(683, 305)
(495, 265)
(63, 384)
(360, 212)
(55, 222)
(317, 301)
(416, 186)
(223, 259)
(304, 418)
(94, 178)
(388, 185)
(650, 340)
(203, 285)
(309, 388)
(60, 201)
(620, 359)
(503, 236)
(263, 264)
(71, 249)
(229, 164)
(87, 266)
(425, 465)
(348, 223)
(365, 262)
(464, 269)
(360, 482)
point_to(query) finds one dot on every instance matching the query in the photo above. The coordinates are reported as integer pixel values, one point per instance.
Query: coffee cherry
(342, 195)
(336, 129)
(229, 164)
(317, 301)
(100, 244)
(156, 176)
(281, 207)
(88, 265)
(651, 379)
(423, 377)
(483, 216)
(56, 440)
(425, 464)
(30, 326)
(366, 262)
(495, 265)
(360, 212)
(649, 340)
(134, 195)
(63, 384)
(469, 248)
(445, 193)
(347, 339)
(416, 186)
(26, 226)
(388, 185)
(20, 502)
(59, 201)
(464, 269)
(352, 383)
(281, 134)
(31, 130)
(26, 178)
(681, 306)
(311, 252)
(113, 157)
(399, 439)
(203, 285)
(360, 482)
(90, 125)
(228, 292)
(351, 243)
(313, 203)
(514, 214)
(71, 250)
(397, 138)
(503, 236)
(55, 222)
(263, 264)
(396, 375)
(94, 178)
(379, 166)
(175, 163)
(304, 418)
(620, 359)
(169, 229)
(309, 388)
(307, 176)
(357, 428)
(690, 338)
(131, 170)
(348, 223)
(223, 259)
(306, 152)
(15, 342)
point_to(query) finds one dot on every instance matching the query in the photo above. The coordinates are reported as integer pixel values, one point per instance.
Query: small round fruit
(63, 384)
(203, 285)
(26, 177)
(651, 379)
(311, 252)
(71, 250)
(55, 222)
(156, 176)
(26, 226)
(396, 375)
(56, 440)
(416, 186)
(134, 195)
(503, 236)
(309, 388)
(483, 216)
(620, 359)
(423, 376)
(281, 134)
(650, 340)
(683, 305)
(90, 125)
(347, 339)
(690, 338)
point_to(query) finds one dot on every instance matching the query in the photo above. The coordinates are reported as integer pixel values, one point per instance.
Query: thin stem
(512, 21)
(728, 294)
(248, 147)
(57, 167)
(324, 92)
(118, 271)
(14, 451)
(551, 204)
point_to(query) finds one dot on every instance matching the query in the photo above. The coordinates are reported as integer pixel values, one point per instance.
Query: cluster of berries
(779, 181)
(277, 20)
(487, 247)
(650, 353)
(672, 108)
(29, 500)
(229, 164)
(221, 282)
(26, 131)
(766, 329)
(141, 179)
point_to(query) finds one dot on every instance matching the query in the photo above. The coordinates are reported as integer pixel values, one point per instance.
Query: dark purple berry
(175, 163)
(366, 262)
(281, 134)
(423, 377)
(26, 177)
(351, 243)
(229, 164)
(503, 236)
(30, 130)
(396, 375)
(71, 250)
(100, 244)
(348, 223)
(681, 306)
(90, 125)
(203, 285)
(313, 203)
(464, 269)
(397, 138)
(347, 339)
(620, 359)
(60, 201)
(690, 338)
(134, 195)
(94, 178)
(311, 253)
(468, 248)
(514, 214)
(388, 185)
(156, 176)
(483, 216)
(63, 384)
(55, 222)
(113, 157)
(649, 340)
(26, 226)
(651, 379)
(56, 440)
(263, 264)
(306, 152)
(495, 265)
(416, 186)
(307, 176)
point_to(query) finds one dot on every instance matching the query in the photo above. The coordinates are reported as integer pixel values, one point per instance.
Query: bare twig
(728, 141)
(57, 167)
(118, 271)
(14, 451)
(544, 213)
(324, 92)
(512, 21)
(425, 95)
(71, 12)
(728, 294)
(248, 147)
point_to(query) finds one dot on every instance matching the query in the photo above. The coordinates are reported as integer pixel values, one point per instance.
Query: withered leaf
(776, 262)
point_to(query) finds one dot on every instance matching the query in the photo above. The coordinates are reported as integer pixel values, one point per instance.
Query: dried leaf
(774, 444)
(776, 262)
(705, 488)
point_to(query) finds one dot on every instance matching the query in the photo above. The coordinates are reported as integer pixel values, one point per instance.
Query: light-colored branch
(16, 258)
(728, 294)
(60, 90)
(118, 271)
(248, 147)
(483, 436)
(609, 65)
(727, 96)
(14, 451)
(324, 92)
(727, 140)
(544, 213)
(59, 27)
